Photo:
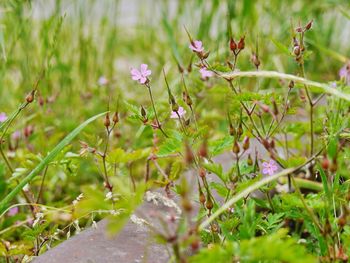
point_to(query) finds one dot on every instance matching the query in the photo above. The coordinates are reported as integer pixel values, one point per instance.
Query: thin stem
(155, 112)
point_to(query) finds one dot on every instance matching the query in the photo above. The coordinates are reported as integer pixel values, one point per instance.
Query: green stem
(155, 112)
(274, 74)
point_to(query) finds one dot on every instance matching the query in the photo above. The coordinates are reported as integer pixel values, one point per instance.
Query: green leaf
(59, 147)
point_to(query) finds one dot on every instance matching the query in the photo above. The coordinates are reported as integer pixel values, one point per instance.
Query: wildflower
(3, 117)
(103, 81)
(142, 74)
(344, 73)
(205, 73)
(269, 167)
(13, 211)
(197, 46)
(180, 112)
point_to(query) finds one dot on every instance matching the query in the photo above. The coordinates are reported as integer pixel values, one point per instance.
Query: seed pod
(325, 163)
(299, 29)
(188, 100)
(189, 154)
(249, 160)
(309, 25)
(116, 117)
(107, 121)
(201, 197)
(272, 144)
(296, 50)
(241, 43)
(255, 60)
(246, 143)
(30, 96)
(275, 108)
(174, 106)
(291, 84)
(206, 55)
(239, 130)
(203, 150)
(209, 204)
(232, 130)
(265, 108)
(235, 148)
(265, 143)
(233, 45)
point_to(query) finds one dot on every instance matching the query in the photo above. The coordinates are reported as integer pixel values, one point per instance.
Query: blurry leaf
(176, 169)
(215, 168)
(220, 188)
(219, 146)
(59, 147)
(281, 47)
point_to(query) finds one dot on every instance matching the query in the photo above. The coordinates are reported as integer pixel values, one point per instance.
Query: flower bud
(325, 163)
(233, 45)
(291, 84)
(275, 108)
(203, 150)
(116, 117)
(189, 154)
(30, 96)
(239, 130)
(241, 43)
(296, 50)
(246, 143)
(201, 197)
(255, 60)
(309, 25)
(202, 172)
(232, 130)
(107, 121)
(235, 148)
(249, 160)
(209, 204)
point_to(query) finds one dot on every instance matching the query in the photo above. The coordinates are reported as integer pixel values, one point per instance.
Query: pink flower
(16, 135)
(3, 117)
(269, 167)
(205, 73)
(13, 211)
(180, 111)
(103, 81)
(197, 46)
(141, 75)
